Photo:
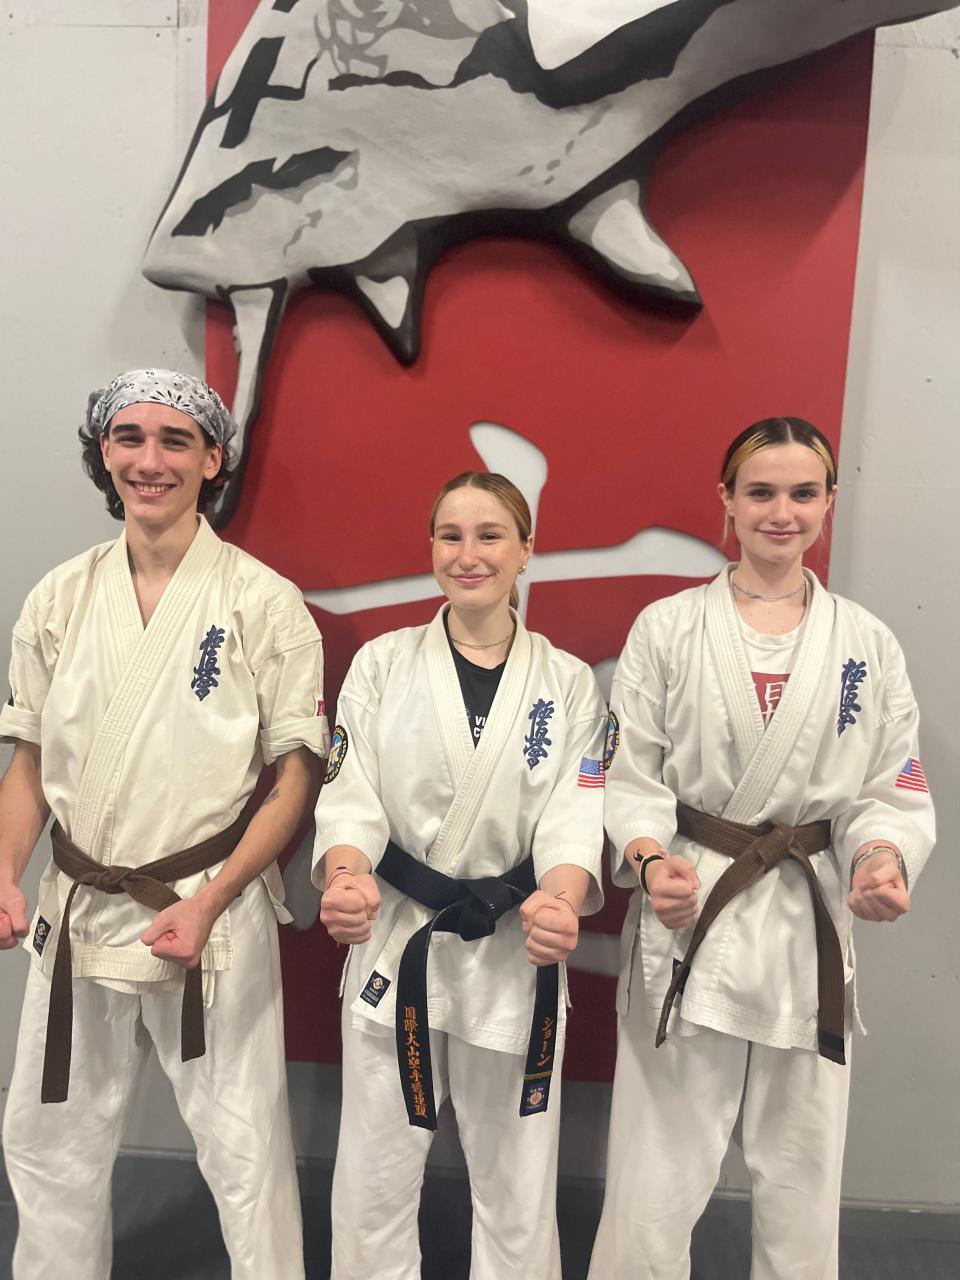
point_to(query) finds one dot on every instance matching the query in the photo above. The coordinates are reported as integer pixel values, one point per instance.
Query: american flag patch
(591, 773)
(911, 777)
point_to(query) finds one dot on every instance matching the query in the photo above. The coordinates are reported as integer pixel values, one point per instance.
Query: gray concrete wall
(97, 100)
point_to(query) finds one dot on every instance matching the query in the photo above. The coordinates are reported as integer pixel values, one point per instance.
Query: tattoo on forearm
(274, 795)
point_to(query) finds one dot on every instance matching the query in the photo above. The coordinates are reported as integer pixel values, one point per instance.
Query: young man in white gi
(765, 734)
(151, 680)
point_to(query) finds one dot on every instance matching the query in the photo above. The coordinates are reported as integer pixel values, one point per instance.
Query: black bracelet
(650, 857)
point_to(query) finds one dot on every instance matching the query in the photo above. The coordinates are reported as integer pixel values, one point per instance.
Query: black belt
(470, 908)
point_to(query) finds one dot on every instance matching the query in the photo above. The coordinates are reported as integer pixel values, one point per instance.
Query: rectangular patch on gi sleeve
(40, 935)
(591, 773)
(911, 777)
(375, 989)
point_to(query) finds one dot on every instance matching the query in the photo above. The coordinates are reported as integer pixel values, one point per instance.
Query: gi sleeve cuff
(367, 839)
(312, 732)
(19, 725)
(574, 855)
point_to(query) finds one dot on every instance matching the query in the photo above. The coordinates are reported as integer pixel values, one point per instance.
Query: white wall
(97, 101)
(896, 550)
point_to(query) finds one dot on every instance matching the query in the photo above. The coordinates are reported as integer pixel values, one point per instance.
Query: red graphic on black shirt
(769, 692)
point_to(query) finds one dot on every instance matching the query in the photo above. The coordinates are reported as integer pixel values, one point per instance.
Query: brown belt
(755, 850)
(150, 886)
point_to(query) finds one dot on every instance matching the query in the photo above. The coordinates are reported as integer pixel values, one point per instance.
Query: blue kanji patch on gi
(613, 740)
(376, 989)
(206, 671)
(338, 753)
(536, 742)
(40, 935)
(851, 677)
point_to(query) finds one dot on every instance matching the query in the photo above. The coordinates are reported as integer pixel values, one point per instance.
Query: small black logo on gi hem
(536, 1094)
(375, 989)
(40, 935)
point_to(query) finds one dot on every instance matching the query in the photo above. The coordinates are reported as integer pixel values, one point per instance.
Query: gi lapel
(143, 660)
(776, 745)
(447, 701)
(471, 767)
(733, 671)
(123, 626)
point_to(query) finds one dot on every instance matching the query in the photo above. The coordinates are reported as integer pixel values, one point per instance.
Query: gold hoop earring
(522, 569)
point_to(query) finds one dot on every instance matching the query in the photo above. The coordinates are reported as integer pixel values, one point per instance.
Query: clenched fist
(878, 890)
(552, 927)
(672, 884)
(349, 905)
(179, 933)
(13, 916)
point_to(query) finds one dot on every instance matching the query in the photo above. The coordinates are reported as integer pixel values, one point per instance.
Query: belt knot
(486, 901)
(107, 879)
(773, 847)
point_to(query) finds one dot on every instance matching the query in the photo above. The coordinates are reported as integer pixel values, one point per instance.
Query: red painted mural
(630, 407)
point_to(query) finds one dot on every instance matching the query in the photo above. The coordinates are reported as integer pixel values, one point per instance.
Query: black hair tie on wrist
(650, 857)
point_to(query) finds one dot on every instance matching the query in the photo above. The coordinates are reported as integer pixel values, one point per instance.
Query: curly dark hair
(93, 465)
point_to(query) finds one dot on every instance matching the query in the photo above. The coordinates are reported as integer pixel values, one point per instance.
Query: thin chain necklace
(466, 644)
(755, 595)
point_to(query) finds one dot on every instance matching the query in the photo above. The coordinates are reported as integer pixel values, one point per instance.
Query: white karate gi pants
(672, 1114)
(512, 1162)
(59, 1156)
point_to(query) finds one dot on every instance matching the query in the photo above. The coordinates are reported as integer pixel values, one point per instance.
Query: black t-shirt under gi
(478, 687)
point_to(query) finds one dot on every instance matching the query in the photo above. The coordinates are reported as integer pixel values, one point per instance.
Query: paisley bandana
(161, 386)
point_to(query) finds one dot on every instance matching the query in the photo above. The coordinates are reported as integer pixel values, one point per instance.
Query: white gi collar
(763, 755)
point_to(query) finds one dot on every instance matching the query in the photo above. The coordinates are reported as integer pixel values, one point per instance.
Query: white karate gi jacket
(690, 727)
(403, 766)
(152, 739)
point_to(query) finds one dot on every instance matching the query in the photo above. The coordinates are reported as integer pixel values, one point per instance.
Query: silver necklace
(755, 595)
(466, 644)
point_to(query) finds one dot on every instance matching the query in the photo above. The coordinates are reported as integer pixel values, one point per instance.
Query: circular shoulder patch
(613, 740)
(338, 753)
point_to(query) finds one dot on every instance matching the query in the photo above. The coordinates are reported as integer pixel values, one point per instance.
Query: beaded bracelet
(879, 847)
